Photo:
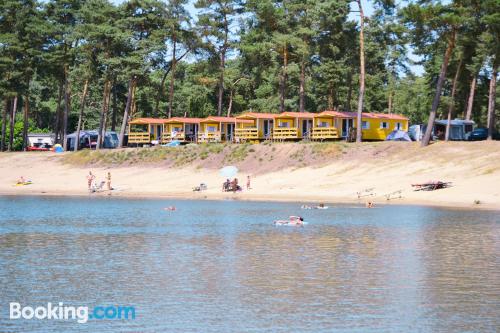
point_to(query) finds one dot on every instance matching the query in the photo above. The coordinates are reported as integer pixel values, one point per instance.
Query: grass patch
(237, 153)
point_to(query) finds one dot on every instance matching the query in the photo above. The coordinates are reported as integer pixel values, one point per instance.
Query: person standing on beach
(248, 182)
(90, 179)
(108, 181)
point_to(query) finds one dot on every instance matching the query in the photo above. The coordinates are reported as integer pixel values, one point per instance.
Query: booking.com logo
(64, 312)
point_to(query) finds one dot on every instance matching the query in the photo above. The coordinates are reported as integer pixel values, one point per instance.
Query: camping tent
(398, 135)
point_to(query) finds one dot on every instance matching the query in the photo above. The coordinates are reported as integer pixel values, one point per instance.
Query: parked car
(478, 134)
(482, 134)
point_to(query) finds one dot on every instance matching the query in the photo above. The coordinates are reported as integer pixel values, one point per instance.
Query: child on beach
(90, 179)
(108, 181)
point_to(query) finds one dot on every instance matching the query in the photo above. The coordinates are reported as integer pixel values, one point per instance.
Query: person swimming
(292, 220)
(170, 208)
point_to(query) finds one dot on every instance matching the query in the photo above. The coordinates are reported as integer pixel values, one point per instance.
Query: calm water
(223, 267)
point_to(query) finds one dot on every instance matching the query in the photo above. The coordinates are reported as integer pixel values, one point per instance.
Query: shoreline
(299, 173)
(258, 198)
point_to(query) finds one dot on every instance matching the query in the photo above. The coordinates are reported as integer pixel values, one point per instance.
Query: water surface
(221, 266)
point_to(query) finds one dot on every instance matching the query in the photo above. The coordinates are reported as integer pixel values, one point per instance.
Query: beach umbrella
(228, 171)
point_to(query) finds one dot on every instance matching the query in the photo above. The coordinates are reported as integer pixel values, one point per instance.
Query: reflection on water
(223, 267)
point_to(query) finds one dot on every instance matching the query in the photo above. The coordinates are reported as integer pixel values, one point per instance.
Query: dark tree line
(70, 65)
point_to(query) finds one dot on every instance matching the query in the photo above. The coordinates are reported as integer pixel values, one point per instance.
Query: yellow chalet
(218, 129)
(145, 130)
(376, 126)
(293, 125)
(256, 127)
(332, 124)
(181, 129)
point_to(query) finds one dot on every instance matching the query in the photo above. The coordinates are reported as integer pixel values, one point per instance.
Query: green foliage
(240, 48)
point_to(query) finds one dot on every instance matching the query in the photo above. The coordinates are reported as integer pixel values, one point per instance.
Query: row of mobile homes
(256, 127)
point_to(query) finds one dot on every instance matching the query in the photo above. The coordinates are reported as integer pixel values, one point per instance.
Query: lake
(222, 266)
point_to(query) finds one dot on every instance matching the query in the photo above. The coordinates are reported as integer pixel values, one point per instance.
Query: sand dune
(286, 172)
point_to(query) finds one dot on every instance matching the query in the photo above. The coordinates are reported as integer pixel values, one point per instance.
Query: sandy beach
(377, 171)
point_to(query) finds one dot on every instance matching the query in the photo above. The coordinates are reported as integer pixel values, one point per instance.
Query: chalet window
(398, 126)
(284, 124)
(365, 125)
(323, 124)
(212, 129)
(384, 124)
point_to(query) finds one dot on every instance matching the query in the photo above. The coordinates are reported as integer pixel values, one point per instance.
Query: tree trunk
(80, 115)
(435, 103)
(12, 123)
(389, 102)
(115, 109)
(221, 83)
(26, 110)
(57, 125)
(349, 92)
(284, 79)
(491, 101)
(126, 112)
(172, 79)
(161, 91)
(229, 108)
(102, 119)
(302, 90)
(223, 65)
(470, 102)
(330, 98)
(67, 96)
(451, 107)
(361, 74)
(4, 125)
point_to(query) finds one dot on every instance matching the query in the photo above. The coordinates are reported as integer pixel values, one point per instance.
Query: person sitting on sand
(21, 180)
(234, 185)
(226, 185)
(90, 179)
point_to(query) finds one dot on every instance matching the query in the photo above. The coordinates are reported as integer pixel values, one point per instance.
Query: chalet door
(230, 131)
(159, 129)
(268, 125)
(345, 127)
(306, 127)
